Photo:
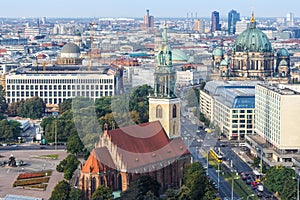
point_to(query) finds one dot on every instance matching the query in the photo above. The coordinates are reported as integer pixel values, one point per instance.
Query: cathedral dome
(218, 52)
(283, 52)
(70, 50)
(252, 40)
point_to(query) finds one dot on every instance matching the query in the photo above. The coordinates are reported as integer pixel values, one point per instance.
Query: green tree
(184, 193)
(75, 144)
(61, 191)
(102, 193)
(13, 108)
(65, 106)
(139, 102)
(10, 130)
(196, 180)
(138, 188)
(3, 104)
(280, 179)
(68, 166)
(192, 97)
(171, 195)
(76, 194)
(33, 108)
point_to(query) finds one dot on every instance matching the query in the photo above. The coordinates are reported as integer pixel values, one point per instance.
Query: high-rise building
(148, 20)
(290, 19)
(233, 17)
(215, 22)
(199, 25)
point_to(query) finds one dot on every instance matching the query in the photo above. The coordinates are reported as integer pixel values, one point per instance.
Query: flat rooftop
(280, 89)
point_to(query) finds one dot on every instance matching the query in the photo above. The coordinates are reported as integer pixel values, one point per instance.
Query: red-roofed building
(154, 148)
(125, 153)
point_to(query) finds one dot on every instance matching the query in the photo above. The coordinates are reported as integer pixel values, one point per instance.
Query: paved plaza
(33, 163)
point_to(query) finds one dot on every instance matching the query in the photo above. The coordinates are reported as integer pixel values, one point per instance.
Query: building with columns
(154, 148)
(253, 58)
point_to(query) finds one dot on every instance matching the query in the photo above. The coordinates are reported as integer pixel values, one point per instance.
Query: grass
(240, 186)
(50, 156)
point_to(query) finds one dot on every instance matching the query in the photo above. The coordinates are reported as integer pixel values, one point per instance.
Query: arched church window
(174, 110)
(158, 111)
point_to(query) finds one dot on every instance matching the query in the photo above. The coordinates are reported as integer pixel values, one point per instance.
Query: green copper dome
(218, 52)
(283, 52)
(252, 40)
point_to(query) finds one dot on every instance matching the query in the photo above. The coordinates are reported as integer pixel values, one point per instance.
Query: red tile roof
(142, 138)
(98, 160)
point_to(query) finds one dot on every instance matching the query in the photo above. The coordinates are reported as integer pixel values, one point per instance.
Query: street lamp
(251, 195)
(233, 178)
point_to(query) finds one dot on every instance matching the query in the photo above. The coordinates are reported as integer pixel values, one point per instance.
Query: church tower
(164, 105)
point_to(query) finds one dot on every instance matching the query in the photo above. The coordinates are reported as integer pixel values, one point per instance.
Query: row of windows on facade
(59, 94)
(58, 87)
(159, 111)
(58, 81)
(46, 100)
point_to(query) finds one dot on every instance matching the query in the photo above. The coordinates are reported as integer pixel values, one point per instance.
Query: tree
(171, 195)
(76, 194)
(197, 182)
(33, 108)
(61, 191)
(202, 85)
(10, 130)
(184, 193)
(192, 97)
(139, 102)
(68, 166)
(138, 188)
(102, 193)
(65, 106)
(75, 144)
(3, 104)
(13, 108)
(280, 179)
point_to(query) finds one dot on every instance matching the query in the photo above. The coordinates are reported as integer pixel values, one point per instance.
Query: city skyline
(134, 8)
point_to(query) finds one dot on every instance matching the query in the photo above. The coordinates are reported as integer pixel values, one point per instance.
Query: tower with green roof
(164, 105)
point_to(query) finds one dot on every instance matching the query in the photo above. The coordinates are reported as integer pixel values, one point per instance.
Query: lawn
(50, 156)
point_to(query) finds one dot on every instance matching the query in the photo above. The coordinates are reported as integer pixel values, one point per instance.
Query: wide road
(195, 143)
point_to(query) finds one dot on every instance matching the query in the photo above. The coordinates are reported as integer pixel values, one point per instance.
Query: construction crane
(91, 40)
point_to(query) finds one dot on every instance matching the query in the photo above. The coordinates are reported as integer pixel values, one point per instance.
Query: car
(42, 147)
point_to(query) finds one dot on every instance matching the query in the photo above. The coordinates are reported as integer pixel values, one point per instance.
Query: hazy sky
(136, 8)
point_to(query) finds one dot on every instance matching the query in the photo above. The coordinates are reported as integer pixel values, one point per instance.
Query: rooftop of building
(63, 69)
(213, 87)
(280, 89)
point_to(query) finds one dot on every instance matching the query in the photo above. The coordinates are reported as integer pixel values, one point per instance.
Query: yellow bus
(216, 156)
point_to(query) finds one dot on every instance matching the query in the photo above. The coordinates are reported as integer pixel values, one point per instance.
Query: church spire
(252, 21)
(164, 34)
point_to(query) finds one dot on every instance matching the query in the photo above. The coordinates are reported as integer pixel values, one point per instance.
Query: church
(252, 58)
(154, 148)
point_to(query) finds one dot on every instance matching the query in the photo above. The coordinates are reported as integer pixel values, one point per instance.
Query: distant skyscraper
(199, 25)
(148, 20)
(215, 22)
(290, 19)
(233, 17)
